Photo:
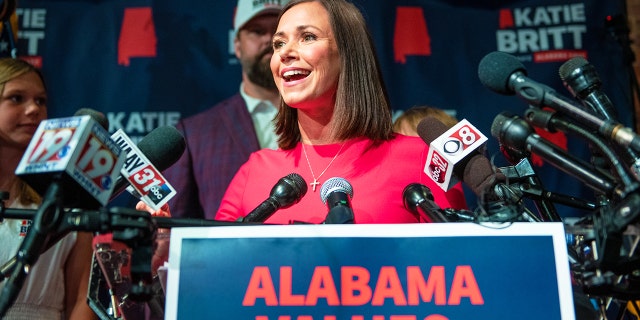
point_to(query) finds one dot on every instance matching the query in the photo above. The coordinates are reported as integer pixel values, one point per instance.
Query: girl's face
(306, 62)
(23, 104)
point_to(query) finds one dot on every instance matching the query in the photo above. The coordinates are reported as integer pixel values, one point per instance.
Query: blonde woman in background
(407, 122)
(56, 287)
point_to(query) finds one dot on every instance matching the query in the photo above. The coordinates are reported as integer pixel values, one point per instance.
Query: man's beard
(259, 71)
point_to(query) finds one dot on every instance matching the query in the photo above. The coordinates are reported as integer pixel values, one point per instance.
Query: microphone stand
(619, 30)
(47, 219)
(339, 215)
(136, 229)
(523, 171)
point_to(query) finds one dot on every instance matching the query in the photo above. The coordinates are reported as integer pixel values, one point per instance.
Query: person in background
(221, 138)
(56, 287)
(334, 120)
(407, 122)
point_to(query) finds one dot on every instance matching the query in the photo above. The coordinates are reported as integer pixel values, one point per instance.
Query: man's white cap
(249, 9)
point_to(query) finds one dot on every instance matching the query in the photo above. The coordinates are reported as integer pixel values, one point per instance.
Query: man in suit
(221, 138)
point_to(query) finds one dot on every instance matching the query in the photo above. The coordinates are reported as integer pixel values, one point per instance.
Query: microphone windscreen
(335, 184)
(567, 68)
(97, 116)
(496, 68)
(163, 146)
(289, 190)
(431, 128)
(479, 174)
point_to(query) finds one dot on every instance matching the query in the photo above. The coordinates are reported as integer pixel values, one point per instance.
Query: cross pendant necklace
(315, 182)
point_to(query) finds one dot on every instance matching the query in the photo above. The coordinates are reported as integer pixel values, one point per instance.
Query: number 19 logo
(52, 145)
(96, 162)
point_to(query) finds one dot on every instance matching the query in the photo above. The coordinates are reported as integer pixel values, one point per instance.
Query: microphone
(582, 80)
(505, 74)
(514, 132)
(456, 154)
(287, 191)
(418, 199)
(141, 173)
(552, 122)
(71, 162)
(97, 116)
(336, 193)
(76, 152)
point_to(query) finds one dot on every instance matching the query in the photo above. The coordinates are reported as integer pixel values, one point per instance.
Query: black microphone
(96, 115)
(418, 198)
(582, 80)
(514, 132)
(551, 122)
(505, 74)
(287, 191)
(475, 170)
(163, 146)
(336, 193)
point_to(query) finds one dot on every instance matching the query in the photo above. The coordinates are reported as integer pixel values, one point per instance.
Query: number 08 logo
(460, 141)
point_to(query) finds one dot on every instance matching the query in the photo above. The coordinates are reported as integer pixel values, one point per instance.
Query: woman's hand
(162, 212)
(161, 252)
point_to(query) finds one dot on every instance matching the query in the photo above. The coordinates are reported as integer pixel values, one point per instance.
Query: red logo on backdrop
(411, 37)
(137, 35)
(35, 61)
(506, 19)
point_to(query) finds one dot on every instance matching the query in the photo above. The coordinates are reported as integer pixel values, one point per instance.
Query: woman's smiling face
(306, 62)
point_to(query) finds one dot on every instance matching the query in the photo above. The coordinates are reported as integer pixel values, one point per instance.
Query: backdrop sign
(147, 63)
(408, 272)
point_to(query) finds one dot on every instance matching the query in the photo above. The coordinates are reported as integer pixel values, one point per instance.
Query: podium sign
(370, 272)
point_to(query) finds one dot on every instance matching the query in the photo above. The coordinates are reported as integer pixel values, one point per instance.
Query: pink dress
(378, 175)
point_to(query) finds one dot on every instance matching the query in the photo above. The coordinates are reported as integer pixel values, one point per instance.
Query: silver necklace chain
(315, 182)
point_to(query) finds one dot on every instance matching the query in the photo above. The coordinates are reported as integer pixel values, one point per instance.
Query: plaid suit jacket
(219, 140)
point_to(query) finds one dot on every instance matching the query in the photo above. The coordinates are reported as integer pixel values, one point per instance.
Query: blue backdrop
(148, 63)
